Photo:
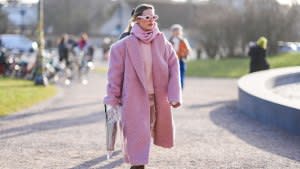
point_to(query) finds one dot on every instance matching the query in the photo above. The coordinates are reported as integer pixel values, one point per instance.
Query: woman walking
(258, 54)
(63, 50)
(182, 48)
(144, 83)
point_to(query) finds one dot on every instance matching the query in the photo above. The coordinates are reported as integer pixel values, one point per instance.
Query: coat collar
(136, 59)
(138, 62)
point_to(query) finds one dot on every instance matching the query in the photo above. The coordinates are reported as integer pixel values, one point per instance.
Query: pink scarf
(145, 36)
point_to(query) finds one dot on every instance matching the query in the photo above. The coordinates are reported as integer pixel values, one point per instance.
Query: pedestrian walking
(182, 48)
(82, 43)
(258, 54)
(143, 83)
(63, 50)
(3, 63)
(106, 44)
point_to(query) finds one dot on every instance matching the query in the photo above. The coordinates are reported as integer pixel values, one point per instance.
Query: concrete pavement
(210, 133)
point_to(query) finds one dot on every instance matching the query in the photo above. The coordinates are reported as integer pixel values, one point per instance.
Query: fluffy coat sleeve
(115, 75)
(174, 86)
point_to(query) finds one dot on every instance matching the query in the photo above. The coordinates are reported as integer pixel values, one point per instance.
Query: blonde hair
(262, 42)
(176, 27)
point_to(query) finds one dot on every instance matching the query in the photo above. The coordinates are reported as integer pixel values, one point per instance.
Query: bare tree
(75, 16)
(263, 18)
(224, 27)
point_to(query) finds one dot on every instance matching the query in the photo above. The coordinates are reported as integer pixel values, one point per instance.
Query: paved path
(69, 132)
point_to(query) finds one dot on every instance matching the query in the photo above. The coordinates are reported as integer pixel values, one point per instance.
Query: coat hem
(163, 146)
(136, 163)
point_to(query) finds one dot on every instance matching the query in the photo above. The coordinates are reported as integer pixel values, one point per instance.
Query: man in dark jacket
(258, 54)
(63, 50)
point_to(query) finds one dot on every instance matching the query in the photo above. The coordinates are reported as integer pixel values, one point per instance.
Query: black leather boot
(138, 167)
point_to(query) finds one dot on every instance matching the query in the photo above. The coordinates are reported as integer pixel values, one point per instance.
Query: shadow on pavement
(197, 106)
(52, 125)
(112, 164)
(47, 111)
(97, 161)
(264, 137)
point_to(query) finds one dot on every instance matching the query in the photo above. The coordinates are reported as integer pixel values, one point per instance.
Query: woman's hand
(175, 104)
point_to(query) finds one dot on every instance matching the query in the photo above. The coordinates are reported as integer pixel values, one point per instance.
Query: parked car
(18, 43)
(288, 47)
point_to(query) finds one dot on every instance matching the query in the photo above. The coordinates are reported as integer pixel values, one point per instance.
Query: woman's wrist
(173, 102)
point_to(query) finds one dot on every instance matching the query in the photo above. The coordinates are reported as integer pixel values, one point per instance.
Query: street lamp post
(40, 78)
(22, 13)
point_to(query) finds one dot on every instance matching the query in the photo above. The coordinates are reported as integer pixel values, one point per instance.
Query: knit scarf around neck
(145, 36)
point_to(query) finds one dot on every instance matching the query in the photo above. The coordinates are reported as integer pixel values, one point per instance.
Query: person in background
(143, 83)
(82, 43)
(2, 59)
(63, 50)
(82, 53)
(182, 48)
(90, 53)
(258, 54)
(107, 42)
(72, 44)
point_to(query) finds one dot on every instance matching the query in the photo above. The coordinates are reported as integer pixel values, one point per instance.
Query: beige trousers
(152, 113)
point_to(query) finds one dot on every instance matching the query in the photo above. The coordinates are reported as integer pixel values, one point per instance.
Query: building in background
(22, 18)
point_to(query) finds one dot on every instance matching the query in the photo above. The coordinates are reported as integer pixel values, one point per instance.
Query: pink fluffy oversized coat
(127, 87)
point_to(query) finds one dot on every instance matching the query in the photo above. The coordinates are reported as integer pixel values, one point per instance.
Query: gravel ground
(69, 132)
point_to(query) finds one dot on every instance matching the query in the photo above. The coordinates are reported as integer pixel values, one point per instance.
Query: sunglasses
(148, 17)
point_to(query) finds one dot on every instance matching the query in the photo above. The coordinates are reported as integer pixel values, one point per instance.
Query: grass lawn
(20, 94)
(236, 67)
(101, 69)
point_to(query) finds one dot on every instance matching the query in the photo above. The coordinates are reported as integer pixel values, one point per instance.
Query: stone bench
(257, 100)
